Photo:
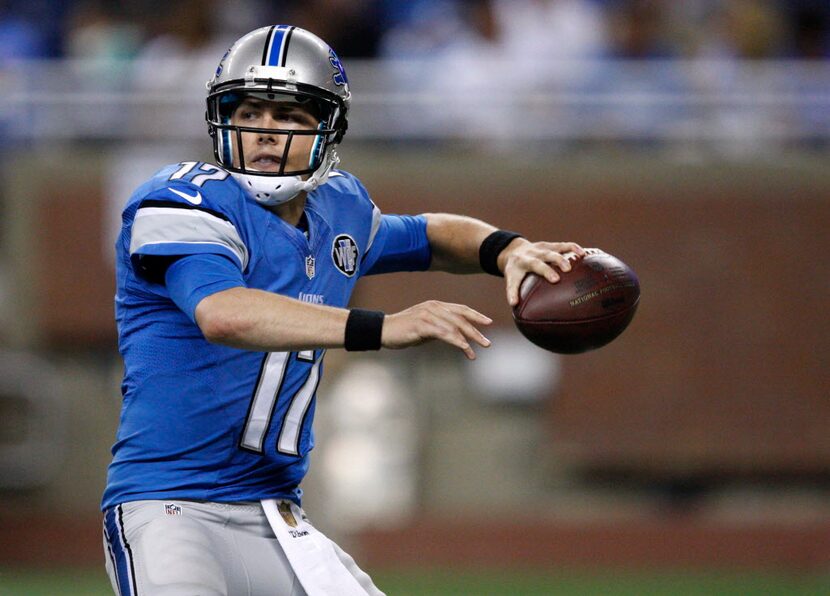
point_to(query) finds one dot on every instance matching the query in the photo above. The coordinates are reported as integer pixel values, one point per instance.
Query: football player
(233, 279)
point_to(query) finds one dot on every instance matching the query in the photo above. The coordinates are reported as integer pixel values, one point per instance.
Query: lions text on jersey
(206, 421)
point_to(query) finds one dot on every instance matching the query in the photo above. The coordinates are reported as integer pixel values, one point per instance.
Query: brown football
(588, 307)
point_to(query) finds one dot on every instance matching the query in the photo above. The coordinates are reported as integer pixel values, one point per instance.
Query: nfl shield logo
(309, 267)
(172, 509)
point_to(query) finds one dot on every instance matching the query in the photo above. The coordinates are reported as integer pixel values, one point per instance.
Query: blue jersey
(206, 421)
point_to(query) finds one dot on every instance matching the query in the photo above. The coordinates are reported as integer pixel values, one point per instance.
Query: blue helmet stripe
(275, 52)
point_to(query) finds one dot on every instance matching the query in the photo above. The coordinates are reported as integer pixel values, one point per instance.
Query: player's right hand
(455, 324)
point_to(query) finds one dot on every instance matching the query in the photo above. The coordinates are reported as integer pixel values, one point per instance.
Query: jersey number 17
(275, 367)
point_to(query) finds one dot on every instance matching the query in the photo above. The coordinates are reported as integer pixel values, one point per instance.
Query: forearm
(455, 241)
(267, 322)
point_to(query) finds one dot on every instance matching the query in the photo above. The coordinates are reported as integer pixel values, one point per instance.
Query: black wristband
(363, 330)
(490, 249)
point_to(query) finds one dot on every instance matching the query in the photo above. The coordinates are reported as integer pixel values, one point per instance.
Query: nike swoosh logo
(195, 199)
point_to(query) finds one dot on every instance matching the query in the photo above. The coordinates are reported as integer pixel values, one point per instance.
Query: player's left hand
(521, 257)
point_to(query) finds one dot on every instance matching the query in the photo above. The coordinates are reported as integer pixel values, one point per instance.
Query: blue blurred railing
(753, 105)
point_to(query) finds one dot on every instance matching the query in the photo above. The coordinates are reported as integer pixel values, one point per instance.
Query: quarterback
(233, 279)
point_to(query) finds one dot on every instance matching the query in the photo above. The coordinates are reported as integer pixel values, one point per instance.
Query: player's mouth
(265, 162)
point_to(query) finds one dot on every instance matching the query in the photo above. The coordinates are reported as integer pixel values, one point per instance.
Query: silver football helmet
(283, 64)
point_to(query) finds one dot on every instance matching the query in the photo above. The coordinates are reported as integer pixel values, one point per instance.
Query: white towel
(311, 554)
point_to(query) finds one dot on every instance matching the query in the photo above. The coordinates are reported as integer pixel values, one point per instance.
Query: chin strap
(275, 190)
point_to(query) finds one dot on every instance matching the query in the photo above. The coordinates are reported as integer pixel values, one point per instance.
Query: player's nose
(268, 137)
(268, 122)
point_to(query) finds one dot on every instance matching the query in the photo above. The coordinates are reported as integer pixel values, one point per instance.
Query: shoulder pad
(192, 183)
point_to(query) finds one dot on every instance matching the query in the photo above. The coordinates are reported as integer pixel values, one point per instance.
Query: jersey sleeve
(192, 278)
(397, 243)
(183, 219)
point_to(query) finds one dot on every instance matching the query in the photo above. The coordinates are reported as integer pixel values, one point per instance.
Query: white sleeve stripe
(183, 211)
(376, 214)
(160, 225)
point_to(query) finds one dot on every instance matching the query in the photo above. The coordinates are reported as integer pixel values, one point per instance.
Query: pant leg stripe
(122, 555)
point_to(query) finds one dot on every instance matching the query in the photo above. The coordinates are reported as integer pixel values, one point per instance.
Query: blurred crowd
(588, 70)
(552, 29)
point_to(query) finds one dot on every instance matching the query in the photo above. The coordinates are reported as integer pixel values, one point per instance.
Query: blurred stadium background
(690, 139)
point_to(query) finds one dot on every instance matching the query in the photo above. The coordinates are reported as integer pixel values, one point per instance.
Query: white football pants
(190, 548)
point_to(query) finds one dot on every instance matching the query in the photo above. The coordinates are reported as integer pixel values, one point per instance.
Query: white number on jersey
(210, 172)
(265, 398)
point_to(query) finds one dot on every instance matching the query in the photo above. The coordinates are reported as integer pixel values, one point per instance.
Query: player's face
(264, 152)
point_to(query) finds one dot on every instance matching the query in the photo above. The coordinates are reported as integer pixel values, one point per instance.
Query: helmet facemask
(292, 176)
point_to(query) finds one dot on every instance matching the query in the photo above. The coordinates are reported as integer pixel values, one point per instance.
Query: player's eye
(250, 114)
(294, 117)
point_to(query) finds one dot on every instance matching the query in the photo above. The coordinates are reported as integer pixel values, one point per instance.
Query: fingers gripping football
(541, 258)
(455, 324)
